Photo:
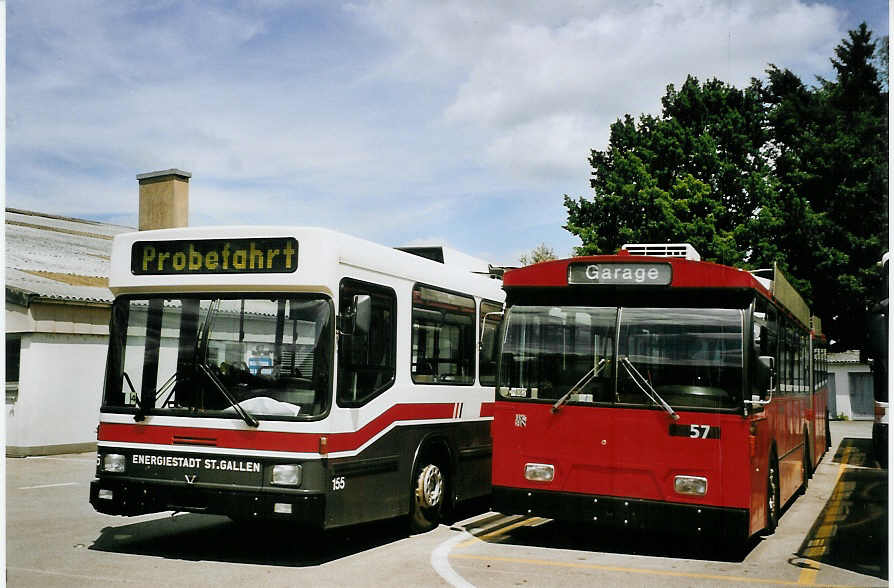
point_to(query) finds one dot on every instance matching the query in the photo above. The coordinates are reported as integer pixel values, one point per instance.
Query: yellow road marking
(623, 570)
(808, 574)
(826, 531)
(492, 534)
(833, 513)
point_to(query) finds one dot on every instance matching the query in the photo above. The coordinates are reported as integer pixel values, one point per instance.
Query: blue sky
(401, 121)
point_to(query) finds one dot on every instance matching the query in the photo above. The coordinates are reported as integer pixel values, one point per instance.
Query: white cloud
(541, 82)
(394, 120)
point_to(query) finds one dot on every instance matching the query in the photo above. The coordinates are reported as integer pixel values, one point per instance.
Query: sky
(406, 122)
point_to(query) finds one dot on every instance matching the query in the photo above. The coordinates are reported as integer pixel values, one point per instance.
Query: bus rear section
(644, 393)
(316, 378)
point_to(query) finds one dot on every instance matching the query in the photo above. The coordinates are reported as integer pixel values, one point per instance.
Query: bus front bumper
(625, 513)
(130, 497)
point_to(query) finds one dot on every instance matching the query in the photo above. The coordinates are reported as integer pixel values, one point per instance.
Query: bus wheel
(429, 494)
(807, 471)
(828, 432)
(772, 496)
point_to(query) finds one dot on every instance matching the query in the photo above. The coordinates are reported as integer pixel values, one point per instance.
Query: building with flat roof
(57, 316)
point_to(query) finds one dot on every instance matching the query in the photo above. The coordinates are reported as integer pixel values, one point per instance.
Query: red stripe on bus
(487, 409)
(274, 440)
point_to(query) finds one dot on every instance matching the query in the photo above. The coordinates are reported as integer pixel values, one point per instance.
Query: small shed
(850, 387)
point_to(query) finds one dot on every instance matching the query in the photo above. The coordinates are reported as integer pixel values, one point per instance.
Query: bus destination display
(214, 256)
(620, 274)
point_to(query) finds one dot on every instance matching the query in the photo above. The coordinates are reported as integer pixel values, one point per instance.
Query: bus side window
(487, 354)
(766, 341)
(366, 361)
(443, 337)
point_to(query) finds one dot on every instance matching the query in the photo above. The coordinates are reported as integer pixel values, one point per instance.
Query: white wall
(60, 388)
(842, 386)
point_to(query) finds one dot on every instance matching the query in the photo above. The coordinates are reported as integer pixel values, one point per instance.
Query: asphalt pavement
(835, 534)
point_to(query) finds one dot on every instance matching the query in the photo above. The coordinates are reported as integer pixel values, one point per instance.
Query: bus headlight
(113, 462)
(691, 485)
(539, 472)
(286, 475)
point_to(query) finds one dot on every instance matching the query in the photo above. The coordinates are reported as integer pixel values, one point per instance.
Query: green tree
(696, 173)
(540, 253)
(776, 173)
(881, 60)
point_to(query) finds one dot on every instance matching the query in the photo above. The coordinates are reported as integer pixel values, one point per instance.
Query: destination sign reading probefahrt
(620, 274)
(214, 256)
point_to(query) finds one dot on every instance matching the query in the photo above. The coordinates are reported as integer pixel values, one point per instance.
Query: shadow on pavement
(851, 532)
(214, 538)
(587, 537)
(197, 537)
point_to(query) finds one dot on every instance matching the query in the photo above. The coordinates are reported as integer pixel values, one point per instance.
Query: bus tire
(828, 432)
(429, 496)
(772, 499)
(805, 468)
(808, 456)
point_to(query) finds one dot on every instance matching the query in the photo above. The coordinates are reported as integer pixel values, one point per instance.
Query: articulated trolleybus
(651, 390)
(295, 374)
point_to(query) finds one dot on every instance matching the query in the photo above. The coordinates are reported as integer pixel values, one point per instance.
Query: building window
(13, 359)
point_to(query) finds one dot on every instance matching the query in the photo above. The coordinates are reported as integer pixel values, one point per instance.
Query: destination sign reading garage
(214, 256)
(620, 274)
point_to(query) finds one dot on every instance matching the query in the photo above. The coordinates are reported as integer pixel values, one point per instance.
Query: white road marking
(48, 457)
(105, 579)
(441, 563)
(49, 486)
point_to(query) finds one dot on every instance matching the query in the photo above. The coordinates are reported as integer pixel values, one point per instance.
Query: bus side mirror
(769, 363)
(483, 323)
(356, 319)
(766, 375)
(362, 313)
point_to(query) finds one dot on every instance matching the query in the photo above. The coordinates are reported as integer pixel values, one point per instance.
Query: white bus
(294, 373)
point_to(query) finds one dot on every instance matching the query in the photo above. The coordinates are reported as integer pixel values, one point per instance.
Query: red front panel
(632, 453)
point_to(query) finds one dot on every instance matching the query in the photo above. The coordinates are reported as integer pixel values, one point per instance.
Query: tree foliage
(777, 172)
(540, 253)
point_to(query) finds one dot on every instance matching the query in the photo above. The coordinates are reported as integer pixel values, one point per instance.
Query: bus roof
(654, 272)
(304, 258)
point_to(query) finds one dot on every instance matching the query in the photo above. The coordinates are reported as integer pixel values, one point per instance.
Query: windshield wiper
(201, 353)
(201, 349)
(247, 417)
(646, 388)
(141, 410)
(580, 384)
(140, 414)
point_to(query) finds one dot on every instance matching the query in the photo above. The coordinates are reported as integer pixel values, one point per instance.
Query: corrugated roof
(57, 258)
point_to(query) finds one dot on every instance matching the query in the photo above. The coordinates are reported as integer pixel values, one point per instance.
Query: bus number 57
(699, 431)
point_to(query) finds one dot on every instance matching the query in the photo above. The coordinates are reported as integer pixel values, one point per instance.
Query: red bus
(650, 390)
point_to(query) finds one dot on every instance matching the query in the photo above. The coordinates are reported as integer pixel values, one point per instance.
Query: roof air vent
(682, 250)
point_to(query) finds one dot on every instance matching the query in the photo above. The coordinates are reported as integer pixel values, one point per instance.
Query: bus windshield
(692, 357)
(266, 357)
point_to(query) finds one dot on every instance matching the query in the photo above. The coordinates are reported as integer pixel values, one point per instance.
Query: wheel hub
(429, 486)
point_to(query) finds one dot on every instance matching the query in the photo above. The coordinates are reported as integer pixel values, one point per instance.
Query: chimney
(164, 199)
